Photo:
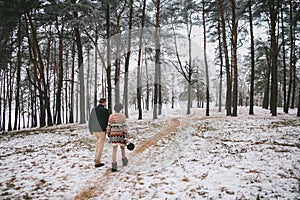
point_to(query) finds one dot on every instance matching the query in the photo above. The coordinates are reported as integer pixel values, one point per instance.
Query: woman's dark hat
(130, 146)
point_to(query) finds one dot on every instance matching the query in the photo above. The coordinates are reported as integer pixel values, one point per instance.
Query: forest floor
(177, 156)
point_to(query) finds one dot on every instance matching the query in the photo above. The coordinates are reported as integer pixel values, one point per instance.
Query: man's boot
(114, 167)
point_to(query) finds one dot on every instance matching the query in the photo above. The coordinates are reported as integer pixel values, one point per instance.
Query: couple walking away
(114, 125)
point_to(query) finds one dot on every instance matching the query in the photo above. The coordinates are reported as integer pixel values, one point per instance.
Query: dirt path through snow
(98, 185)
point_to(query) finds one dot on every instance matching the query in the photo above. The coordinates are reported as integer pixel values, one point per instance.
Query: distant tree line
(58, 57)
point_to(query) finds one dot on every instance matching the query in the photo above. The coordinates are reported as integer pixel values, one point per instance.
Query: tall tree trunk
(189, 26)
(251, 109)
(234, 49)
(293, 22)
(71, 117)
(81, 70)
(67, 88)
(147, 83)
(205, 59)
(47, 81)
(139, 78)
(18, 79)
(274, 52)
(221, 67)
(118, 59)
(22, 100)
(127, 59)
(60, 73)
(298, 112)
(3, 124)
(9, 96)
(267, 81)
(81, 76)
(294, 78)
(159, 91)
(228, 73)
(2, 81)
(96, 68)
(284, 61)
(88, 80)
(108, 69)
(157, 58)
(117, 62)
(55, 76)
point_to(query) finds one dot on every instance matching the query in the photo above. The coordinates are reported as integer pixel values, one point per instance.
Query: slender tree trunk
(22, 109)
(235, 70)
(157, 58)
(67, 88)
(228, 73)
(221, 67)
(274, 52)
(127, 59)
(159, 91)
(118, 59)
(55, 75)
(9, 96)
(267, 82)
(108, 70)
(147, 82)
(4, 102)
(2, 80)
(60, 73)
(292, 53)
(139, 81)
(81, 70)
(81, 76)
(88, 80)
(71, 118)
(77, 100)
(284, 61)
(47, 82)
(205, 60)
(251, 109)
(18, 79)
(294, 79)
(298, 112)
(189, 26)
(96, 68)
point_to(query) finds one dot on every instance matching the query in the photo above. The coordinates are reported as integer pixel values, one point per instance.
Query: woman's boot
(114, 167)
(124, 161)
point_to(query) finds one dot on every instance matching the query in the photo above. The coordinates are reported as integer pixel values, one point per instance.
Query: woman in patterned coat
(117, 133)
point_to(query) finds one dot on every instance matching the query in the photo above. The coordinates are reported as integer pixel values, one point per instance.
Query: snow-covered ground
(177, 156)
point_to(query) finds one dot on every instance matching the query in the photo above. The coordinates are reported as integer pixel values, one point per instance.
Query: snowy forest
(59, 57)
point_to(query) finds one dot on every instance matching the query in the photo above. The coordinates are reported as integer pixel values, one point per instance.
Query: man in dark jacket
(97, 126)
